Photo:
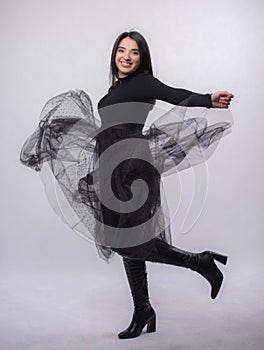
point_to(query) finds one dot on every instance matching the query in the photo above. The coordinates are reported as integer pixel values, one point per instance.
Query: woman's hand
(221, 99)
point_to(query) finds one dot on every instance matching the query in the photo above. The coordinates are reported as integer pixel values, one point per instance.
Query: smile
(126, 65)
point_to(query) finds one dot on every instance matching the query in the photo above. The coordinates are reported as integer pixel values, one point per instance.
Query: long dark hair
(145, 59)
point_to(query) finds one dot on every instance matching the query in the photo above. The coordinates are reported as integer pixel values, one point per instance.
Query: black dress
(109, 167)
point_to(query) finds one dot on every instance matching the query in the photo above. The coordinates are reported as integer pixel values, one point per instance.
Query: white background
(55, 291)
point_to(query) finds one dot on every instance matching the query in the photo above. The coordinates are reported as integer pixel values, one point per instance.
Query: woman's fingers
(221, 99)
(225, 101)
(226, 95)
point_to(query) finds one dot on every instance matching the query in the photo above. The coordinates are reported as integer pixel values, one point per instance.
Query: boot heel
(221, 258)
(152, 325)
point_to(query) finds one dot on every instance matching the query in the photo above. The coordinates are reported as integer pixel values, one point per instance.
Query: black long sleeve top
(146, 88)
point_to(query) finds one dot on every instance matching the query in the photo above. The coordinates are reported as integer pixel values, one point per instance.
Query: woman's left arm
(149, 87)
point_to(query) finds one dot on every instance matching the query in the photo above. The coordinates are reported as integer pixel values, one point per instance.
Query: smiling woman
(119, 203)
(127, 57)
(133, 81)
(132, 50)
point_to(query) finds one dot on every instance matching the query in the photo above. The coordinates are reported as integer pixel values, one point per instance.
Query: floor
(72, 309)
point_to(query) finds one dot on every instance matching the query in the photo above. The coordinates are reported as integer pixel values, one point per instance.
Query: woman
(131, 66)
(123, 111)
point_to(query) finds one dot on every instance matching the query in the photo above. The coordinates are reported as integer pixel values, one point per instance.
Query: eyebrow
(122, 47)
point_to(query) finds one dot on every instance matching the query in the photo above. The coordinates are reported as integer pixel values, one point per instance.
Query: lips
(125, 64)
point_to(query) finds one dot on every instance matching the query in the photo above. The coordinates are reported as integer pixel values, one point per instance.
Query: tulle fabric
(66, 149)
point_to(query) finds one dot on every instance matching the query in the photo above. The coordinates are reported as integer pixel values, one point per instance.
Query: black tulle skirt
(108, 175)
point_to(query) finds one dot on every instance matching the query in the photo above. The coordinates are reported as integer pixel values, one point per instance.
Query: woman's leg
(143, 312)
(160, 251)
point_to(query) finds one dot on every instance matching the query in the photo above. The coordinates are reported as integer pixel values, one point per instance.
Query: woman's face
(127, 58)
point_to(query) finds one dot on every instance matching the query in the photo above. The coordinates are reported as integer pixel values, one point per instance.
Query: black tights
(157, 250)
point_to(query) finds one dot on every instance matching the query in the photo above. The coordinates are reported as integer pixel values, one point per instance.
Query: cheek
(116, 58)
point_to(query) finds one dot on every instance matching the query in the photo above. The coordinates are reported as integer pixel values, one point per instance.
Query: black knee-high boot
(143, 314)
(156, 250)
(203, 263)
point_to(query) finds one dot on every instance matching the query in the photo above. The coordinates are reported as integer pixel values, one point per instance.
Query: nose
(127, 56)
